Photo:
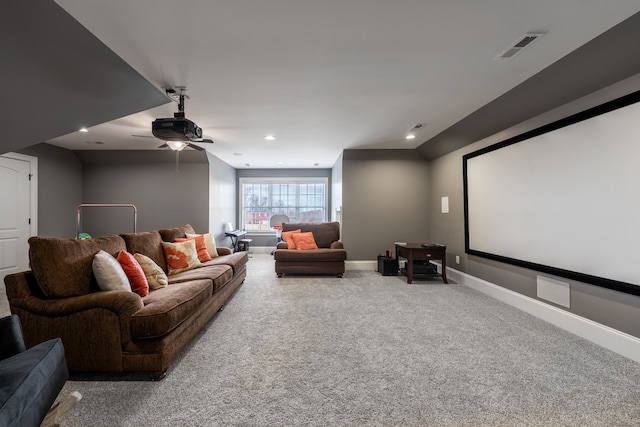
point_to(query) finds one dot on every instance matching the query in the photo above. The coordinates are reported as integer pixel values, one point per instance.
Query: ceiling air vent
(518, 46)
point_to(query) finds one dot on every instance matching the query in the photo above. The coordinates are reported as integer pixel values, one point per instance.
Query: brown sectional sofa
(118, 331)
(329, 258)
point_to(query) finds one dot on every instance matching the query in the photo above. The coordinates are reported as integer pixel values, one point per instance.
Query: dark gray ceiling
(55, 81)
(607, 59)
(58, 77)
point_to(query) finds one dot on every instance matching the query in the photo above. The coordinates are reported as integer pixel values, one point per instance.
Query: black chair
(30, 379)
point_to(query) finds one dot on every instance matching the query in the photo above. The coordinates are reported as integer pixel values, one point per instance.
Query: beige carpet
(368, 350)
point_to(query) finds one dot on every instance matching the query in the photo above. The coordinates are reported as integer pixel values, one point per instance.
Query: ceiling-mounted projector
(177, 128)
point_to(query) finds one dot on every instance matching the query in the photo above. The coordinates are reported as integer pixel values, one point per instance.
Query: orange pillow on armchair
(304, 241)
(286, 236)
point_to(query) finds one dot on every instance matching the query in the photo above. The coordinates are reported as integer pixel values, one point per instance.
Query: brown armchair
(329, 258)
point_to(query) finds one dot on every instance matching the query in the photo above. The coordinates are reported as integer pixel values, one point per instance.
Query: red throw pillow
(304, 241)
(286, 236)
(135, 273)
(201, 247)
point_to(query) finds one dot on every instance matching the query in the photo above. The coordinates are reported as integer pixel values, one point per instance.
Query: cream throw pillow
(109, 273)
(156, 276)
(181, 256)
(209, 242)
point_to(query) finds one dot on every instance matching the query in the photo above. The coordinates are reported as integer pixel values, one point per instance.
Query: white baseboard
(361, 265)
(609, 338)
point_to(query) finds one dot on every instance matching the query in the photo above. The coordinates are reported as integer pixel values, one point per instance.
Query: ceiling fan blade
(144, 136)
(165, 145)
(195, 147)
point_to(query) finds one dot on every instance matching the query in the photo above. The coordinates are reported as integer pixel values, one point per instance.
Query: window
(301, 199)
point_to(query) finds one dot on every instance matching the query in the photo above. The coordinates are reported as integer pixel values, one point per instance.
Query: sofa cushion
(324, 233)
(209, 242)
(62, 267)
(149, 244)
(181, 256)
(109, 273)
(311, 256)
(135, 274)
(236, 260)
(220, 274)
(156, 276)
(164, 309)
(201, 247)
(170, 234)
(304, 241)
(287, 236)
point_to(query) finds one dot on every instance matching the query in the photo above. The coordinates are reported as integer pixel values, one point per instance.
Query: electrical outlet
(457, 259)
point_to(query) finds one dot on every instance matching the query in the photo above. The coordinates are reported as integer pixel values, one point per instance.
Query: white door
(17, 180)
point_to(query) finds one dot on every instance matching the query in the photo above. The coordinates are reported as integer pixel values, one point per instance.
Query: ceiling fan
(178, 131)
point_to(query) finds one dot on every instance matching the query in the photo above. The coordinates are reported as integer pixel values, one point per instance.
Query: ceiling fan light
(177, 145)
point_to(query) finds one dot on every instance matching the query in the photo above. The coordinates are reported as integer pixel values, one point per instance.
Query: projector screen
(562, 199)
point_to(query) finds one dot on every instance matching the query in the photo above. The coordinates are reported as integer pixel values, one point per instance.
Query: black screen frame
(616, 285)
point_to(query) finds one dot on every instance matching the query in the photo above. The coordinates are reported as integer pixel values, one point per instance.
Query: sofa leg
(340, 275)
(279, 275)
(157, 376)
(61, 408)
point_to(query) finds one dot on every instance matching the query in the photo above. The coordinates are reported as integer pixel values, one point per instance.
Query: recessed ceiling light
(270, 137)
(280, 162)
(238, 154)
(410, 136)
(247, 164)
(83, 130)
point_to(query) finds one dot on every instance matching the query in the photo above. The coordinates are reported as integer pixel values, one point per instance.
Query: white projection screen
(562, 199)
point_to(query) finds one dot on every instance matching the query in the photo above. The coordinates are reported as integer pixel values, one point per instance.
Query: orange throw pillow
(201, 247)
(304, 241)
(180, 256)
(286, 236)
(135, 273)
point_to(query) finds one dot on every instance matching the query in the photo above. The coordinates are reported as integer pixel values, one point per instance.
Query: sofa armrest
(101, 319)
(11, 341)
(121, 303)
(20, 293)
(336, 245)
(223, 251)
(282, 245)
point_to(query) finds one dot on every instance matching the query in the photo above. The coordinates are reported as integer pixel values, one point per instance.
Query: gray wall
(336, 190)
(202, 194)
(617, 310)
(222, 198)
(148, 180)
(385, 199)
(59, 189)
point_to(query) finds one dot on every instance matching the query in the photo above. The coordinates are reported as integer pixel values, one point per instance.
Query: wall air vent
(518, 46)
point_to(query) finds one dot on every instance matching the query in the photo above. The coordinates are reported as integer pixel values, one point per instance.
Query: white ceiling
(324, 76)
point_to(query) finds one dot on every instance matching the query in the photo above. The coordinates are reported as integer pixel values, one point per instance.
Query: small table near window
(422, 252)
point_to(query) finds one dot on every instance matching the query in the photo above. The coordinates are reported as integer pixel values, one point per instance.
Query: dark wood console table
(422, 252)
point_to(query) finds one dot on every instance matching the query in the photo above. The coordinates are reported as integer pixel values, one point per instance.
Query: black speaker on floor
(387, 266)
